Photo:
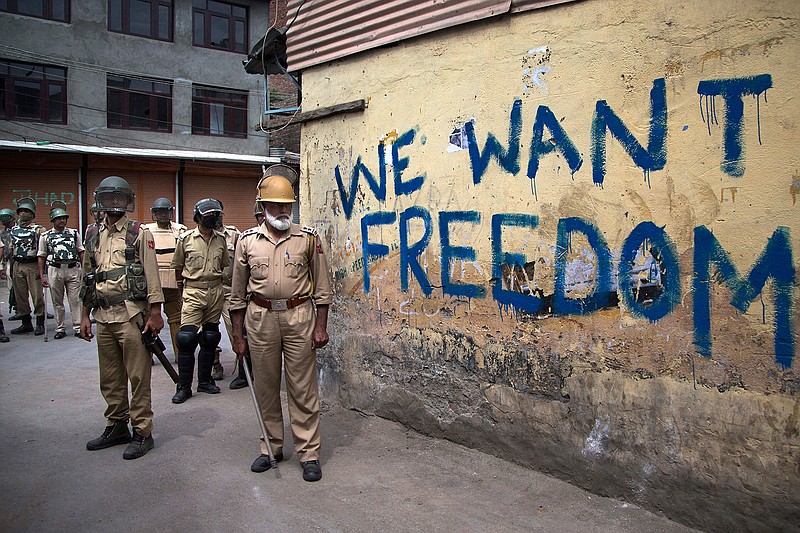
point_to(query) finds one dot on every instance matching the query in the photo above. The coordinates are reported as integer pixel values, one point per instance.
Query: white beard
(280, 224)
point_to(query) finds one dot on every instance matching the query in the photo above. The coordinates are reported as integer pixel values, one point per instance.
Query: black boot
(208, 340)
(3, 336)
(39, 326)
(115, 434)
(185, 373)
(241, 380)
(26, 327)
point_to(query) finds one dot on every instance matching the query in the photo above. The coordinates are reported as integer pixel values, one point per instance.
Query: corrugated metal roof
(330, 29)
(327, 30)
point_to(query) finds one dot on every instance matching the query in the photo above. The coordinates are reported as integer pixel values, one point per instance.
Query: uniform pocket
(295, 265)
(259, 268)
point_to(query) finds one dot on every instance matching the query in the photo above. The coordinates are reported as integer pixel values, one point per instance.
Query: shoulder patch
(251, 231)
(183, 235)
(310, 230)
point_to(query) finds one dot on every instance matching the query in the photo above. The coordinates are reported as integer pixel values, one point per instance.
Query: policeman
(121, 284)
(165, 233)
(3, 336)
(200, 257)
(98, 217)
(231, 234)
(258, 212)
(280, 277)
(61, 249)
(7, 221)
(25, 272)
(240, 381)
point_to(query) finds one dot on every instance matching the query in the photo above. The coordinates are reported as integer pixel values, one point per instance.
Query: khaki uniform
(25, 272)
(201, 264)
(231, 238)
(61, 252)
(165, 240)
(122, 353)
(285, 276)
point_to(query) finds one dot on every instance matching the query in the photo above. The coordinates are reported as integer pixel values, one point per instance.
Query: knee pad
(210, 337)
(187, 338)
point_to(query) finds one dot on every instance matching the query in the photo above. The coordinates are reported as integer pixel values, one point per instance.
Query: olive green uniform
(275, 282)
(61, 250)
(122, 354)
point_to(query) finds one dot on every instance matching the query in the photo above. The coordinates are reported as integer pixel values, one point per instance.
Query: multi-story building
(151, 90)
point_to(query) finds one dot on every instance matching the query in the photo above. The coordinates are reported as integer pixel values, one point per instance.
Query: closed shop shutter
(237, 195)
(147, 185)
(44, 186)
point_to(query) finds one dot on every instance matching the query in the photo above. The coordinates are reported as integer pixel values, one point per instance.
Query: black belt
(162, 251)
(25, 259)
(64, 265)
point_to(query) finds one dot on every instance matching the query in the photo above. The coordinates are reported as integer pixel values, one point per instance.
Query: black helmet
(206, 206)
(114, 195)
(163, 203)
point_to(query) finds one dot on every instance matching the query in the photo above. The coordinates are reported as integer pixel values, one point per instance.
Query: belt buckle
(280, 305)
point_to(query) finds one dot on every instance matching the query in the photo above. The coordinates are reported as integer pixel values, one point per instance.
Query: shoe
(117, 433)
(78, 334)
(209, 387)
(182, 394)
(26, 327)
(39, 326)
(15, 316)
(217, 371)
(139, 446)
(50, 315)
(238, 383)
(59, 335)
(261, 464)
(311, 471)
(3, 336)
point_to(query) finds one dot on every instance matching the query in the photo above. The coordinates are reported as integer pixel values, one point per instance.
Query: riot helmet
(114, 195)
(26, 203)
(57, 212)
(207, 212)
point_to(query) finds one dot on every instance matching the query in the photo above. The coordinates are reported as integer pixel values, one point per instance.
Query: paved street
(377, 476)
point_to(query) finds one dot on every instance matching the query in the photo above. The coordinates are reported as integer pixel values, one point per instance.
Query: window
(219, 112)
(45, 9)
(145, 18)
(219, 25)
(31, 92)
(138, 104)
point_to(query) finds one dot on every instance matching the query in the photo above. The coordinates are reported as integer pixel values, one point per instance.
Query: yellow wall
(578, 65)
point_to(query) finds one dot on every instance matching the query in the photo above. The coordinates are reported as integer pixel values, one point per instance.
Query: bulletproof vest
(165, 240)
(63, 246)
(25, 241)
(133, 271)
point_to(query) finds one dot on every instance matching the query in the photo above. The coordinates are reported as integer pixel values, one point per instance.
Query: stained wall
(569, 237)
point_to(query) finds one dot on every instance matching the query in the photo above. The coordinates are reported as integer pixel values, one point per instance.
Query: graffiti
(654, 157)
(732, 90)
(775, 262)
(644, 274)
(46, 198)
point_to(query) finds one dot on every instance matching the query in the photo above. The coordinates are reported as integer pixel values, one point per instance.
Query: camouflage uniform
(61, 250)
(25, 271)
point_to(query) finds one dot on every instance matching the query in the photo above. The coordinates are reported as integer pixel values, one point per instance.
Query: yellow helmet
(275, 188)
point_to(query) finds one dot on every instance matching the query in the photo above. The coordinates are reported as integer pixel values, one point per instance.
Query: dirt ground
(377, 475)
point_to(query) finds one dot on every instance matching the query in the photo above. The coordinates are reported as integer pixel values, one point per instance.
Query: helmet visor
(114, 201)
